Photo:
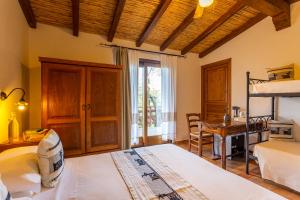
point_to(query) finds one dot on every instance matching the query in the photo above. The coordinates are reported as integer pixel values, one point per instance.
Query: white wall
(49, 41)
(13, 55)
(256, 49)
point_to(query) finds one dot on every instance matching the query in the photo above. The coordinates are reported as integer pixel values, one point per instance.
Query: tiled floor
(237, 166)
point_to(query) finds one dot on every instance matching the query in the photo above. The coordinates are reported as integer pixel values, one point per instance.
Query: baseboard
(180, 142)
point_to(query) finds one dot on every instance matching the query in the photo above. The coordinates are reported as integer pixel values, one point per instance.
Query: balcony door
(149, 102)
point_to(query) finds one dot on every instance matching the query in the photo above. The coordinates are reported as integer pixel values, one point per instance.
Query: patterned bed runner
(148, 178)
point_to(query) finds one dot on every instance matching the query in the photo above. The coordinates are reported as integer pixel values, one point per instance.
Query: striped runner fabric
(148, 178)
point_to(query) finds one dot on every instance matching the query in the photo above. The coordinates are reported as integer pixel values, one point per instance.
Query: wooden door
(216, 90)
(103, 109)
(63, 95)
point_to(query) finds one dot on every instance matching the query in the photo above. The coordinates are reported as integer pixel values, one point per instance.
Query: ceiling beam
(150, 26)
(268, 7)
(233, 10)
(282, 20)
(251, 22)
(118, 12)
(28, 13)
(75, 17)
(292, 1)
(187, 21)
(279, 10)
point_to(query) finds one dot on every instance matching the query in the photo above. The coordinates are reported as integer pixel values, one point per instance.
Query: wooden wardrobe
(81, 101)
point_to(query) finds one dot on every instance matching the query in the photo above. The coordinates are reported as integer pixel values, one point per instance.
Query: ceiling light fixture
(205, 3)
(198, 12)
(200, 7)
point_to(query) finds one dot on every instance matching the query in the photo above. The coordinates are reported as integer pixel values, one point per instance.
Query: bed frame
(259, 124)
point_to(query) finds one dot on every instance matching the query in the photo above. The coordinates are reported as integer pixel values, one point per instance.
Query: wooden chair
(197, 135)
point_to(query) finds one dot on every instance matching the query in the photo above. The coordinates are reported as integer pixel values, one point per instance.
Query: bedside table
(5, 146)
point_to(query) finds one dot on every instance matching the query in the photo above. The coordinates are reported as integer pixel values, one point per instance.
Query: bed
(257, 124)
(284, 171)
(96, 177)
(276, 87)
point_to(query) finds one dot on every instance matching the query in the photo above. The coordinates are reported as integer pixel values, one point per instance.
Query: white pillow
(4, 194)
(10, 153)
(51, 159)
(281, 129)
(20, 172)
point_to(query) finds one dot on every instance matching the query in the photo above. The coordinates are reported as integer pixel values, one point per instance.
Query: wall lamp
(22, 104)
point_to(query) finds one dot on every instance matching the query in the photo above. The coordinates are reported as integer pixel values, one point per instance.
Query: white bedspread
(292, 86)
(96, 178)
(279, 161)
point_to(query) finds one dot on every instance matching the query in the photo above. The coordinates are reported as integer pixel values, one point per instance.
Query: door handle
(88, 107)
(83, 107)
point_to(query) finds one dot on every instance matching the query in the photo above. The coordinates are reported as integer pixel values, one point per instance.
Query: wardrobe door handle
(83, 107)
(88, 107)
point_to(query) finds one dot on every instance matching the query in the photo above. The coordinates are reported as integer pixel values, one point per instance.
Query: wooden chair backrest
(193, 120)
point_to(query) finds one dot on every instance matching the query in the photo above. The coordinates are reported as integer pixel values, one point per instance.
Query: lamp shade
(22, 104)
(205, 3)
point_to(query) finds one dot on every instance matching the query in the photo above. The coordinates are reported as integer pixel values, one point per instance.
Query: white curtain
(121, 58)
(168, 96)
(133, 69)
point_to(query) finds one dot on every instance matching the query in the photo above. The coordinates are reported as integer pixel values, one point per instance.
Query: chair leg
(213, 145)
(200, 147)
(190, 146)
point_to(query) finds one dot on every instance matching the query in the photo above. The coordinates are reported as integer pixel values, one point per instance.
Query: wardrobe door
(103, 109)
(63, 94)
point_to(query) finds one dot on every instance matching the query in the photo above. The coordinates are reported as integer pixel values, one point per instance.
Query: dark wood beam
(118, 12)
(292, 1)
(268, 7)
(28, 12)
(233, 10)
(75, 17)
(282, 20)
(251, 22)
(279, 10)
(187, 21)
(150, 26)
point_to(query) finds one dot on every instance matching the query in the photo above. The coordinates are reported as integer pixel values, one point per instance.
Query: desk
(224, 130)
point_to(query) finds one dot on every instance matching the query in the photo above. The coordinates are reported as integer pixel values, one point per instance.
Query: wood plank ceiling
(165, 23)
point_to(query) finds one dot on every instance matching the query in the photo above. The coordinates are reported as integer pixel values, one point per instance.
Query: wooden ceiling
(165, 23)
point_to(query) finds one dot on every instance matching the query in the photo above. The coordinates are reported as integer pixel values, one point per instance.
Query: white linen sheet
(95, 177)
(279, 161)
(291, 86)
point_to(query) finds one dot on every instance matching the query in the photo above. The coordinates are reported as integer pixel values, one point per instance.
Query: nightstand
(5, 146)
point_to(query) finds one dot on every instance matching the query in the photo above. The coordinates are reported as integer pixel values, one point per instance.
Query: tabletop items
(34, 135)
